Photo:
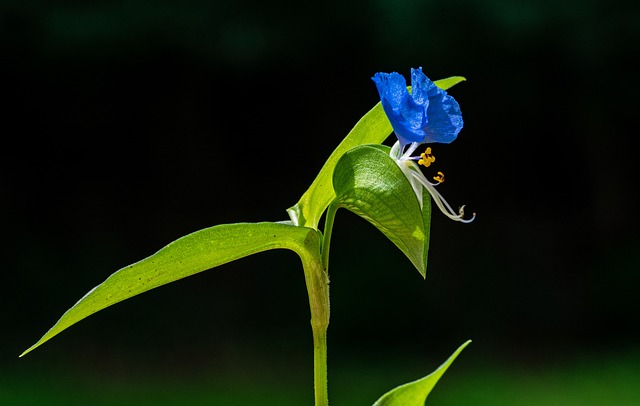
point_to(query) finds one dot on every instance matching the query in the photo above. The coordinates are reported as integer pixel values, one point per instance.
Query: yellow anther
(426, 158)
(439, 177)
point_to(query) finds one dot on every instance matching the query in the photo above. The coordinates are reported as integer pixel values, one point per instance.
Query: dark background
(129, 124)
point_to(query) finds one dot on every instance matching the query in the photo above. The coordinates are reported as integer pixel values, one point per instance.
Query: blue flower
(426, 115)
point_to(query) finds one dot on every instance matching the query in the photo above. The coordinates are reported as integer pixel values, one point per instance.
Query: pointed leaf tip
(415, 393)
(449, 82)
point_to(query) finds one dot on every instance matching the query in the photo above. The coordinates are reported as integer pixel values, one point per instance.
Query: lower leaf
(415, 393)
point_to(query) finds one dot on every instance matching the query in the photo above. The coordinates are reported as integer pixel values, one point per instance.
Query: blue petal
(420, 85)
(406, 117)
(445, 117)
(392, 88)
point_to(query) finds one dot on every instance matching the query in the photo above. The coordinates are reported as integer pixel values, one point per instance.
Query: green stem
(317, 282)
(320, 379)
(328, 229)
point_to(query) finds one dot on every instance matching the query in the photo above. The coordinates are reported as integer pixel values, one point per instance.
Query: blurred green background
(129, 124)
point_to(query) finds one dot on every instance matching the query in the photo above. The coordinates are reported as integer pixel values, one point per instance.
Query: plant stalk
(320, 379)
(317, 282)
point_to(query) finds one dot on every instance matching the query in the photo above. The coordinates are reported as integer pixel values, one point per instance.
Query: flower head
(426, 115)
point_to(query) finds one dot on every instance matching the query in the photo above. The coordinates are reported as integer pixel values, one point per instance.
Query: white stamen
(412, 147)
(408, 167)
(442, 204)
(406, 163)
(397, 153)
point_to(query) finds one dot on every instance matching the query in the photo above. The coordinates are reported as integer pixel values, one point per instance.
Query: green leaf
(184, 257)
(415, 393)
(370, 184)
(373, 128)
(449, 82)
